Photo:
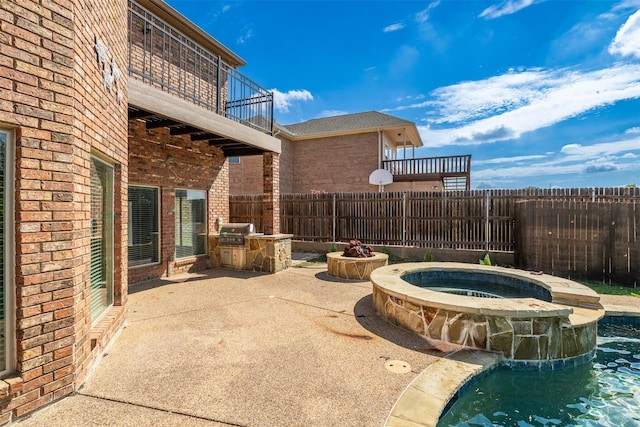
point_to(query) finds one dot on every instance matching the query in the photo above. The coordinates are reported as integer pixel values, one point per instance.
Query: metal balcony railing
(163, 57)
(453, 171)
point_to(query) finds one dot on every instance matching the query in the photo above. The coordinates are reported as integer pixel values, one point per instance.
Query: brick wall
(246, 177)
(100, 129)
(333, 164)
(160, 160)
(53, 100)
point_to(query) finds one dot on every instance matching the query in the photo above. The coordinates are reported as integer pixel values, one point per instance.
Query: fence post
(334, 217)
(404, 218)
(486, 220)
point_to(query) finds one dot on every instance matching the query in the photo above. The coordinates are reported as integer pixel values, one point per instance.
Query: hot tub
(553, 324)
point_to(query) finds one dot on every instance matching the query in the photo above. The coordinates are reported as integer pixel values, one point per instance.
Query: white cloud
(393, 27)
(283, 100)
(332, 113)
(514, 159)
(506, 106)
(572, 159)
(577, 152)
(244, 37)
(423, 15)
(633, 130)
(627, 40)
(505, 8)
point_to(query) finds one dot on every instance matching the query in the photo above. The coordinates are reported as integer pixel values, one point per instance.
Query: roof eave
(413, 134)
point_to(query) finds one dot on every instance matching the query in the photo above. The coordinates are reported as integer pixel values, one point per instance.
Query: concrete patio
(227, 348)
(235, 348)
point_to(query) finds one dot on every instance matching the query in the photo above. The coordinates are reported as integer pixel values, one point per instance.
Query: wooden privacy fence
(580, 240)
(476, 220)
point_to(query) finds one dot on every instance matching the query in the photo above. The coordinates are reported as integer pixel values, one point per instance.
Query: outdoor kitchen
(238, 246)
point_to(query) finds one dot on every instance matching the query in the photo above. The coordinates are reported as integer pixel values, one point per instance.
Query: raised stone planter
(354, 268)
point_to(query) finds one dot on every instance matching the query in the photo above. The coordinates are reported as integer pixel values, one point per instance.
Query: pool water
(475, 288)
(603, 393)
(478, 284)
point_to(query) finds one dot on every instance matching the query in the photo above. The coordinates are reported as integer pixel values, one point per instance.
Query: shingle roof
(347, 122)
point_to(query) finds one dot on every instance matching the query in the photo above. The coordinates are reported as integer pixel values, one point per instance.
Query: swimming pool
(605, 392)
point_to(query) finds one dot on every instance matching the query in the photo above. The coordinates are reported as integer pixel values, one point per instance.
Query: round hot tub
(532, 320)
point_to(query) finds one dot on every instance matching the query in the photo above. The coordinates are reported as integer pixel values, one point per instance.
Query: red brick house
(117, 118)
(337, 154)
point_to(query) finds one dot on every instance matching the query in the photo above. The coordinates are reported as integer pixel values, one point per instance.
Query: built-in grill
(234, 233)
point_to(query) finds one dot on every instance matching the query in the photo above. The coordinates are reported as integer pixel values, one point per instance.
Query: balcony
(163, 61)
(454, 172)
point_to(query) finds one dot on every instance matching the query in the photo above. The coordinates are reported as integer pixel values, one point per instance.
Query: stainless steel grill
(234, 233)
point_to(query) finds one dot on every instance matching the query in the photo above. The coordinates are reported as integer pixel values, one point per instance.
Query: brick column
(271, 193)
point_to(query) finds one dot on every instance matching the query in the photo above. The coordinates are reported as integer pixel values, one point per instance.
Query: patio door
(101, 237)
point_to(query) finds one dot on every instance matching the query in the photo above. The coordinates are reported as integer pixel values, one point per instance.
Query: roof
(347, 122)
(174, 18)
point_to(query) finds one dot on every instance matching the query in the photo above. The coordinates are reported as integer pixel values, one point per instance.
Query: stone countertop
(262, 236)
(270, 236)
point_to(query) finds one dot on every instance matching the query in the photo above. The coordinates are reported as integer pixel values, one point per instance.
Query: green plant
(386, 251)
(333, 247)
(485, 260)
(603, 288)
(428, 257)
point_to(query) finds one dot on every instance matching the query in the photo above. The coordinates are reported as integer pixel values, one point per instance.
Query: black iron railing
(163, 57)
(454, 171)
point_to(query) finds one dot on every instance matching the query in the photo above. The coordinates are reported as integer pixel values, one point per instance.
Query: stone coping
(441, 381)
(427, 396)
(566, 293)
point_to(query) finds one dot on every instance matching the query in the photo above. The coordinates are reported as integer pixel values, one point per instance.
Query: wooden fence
(597, 241)
(476, 220)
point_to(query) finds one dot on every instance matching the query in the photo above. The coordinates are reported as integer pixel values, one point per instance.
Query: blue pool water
(488, 285)
(603, 393)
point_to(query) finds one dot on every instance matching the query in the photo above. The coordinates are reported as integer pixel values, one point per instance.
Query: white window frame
(159, 207)
(9, 253)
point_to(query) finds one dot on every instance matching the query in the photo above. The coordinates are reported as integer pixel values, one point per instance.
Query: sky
(541, 93)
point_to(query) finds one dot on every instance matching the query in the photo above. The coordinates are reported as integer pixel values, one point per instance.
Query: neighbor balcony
(187, 64)
(453, 172)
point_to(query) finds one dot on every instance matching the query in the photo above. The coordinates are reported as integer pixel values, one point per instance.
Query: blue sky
(541, 93)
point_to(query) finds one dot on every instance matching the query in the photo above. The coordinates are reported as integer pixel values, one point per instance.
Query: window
(101, 237)
(6, 243)
(234, 160)
(191, 225)
(144, 239)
